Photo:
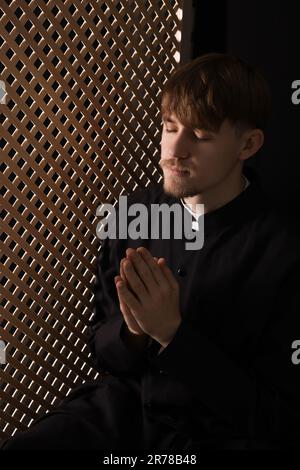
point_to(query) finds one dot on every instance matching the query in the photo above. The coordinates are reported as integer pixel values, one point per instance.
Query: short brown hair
(214, 87)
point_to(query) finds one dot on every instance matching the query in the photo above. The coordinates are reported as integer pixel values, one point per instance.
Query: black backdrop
(266, 34)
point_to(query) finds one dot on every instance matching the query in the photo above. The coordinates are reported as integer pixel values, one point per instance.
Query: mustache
(168, 164)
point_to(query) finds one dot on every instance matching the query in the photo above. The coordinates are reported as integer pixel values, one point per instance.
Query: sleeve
(259, 398)
(106, 330)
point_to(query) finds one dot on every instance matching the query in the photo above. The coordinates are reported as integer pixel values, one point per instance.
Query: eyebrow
(168, 119)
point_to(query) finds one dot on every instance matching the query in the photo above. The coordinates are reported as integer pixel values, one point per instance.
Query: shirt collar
(243, 206)
(195, 224)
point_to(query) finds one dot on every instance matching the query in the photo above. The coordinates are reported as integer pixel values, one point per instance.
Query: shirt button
(181, 272)
(161, 371)
(148, 404)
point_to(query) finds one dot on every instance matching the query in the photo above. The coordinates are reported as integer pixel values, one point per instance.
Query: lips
(177, 171)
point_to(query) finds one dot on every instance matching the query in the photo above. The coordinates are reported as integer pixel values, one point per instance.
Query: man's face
(206, 157)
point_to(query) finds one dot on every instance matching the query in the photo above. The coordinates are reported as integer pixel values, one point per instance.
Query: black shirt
(228, 372)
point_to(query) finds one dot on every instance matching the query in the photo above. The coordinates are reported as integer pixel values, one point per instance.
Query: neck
(218, 195)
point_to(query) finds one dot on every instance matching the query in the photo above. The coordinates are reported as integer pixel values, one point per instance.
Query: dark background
(265, 34)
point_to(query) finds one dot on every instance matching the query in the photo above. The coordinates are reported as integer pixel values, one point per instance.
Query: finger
(122, 273)
(157, 273)
(124, 277)
(168, 273)
(125, 296)
(129, 318)
(135, 281)
(142, 269)
(119, 278)
(131, 322)
(126, 312)
(122, 269)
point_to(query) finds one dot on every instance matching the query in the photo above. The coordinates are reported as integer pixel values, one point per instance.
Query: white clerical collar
(195, 224)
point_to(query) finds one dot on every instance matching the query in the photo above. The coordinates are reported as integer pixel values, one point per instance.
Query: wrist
(134, 340)
(164, 343)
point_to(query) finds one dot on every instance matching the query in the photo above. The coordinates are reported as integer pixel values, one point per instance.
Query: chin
(176, 189)
(180, 188)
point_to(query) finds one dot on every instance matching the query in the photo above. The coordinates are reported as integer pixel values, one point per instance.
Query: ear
(251, 141)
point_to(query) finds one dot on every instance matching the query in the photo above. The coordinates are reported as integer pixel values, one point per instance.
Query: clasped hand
(149, 295)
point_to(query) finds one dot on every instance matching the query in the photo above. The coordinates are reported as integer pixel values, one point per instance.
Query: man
(198, 344)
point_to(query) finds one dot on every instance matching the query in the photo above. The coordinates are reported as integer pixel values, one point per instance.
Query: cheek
(216, 154)
(164, 148)
(211, 162)
(207, 155)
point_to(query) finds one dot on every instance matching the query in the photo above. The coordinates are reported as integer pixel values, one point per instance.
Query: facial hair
(180, 187)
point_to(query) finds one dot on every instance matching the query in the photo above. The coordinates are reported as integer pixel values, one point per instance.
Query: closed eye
(197, 138)
(202, 138)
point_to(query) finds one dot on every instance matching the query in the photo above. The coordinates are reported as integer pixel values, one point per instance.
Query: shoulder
(282, 224)
(281, 236)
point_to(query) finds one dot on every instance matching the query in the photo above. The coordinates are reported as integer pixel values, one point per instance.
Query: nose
(176, 155)
(177, 147)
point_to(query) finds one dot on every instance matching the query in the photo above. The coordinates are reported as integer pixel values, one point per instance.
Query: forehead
(170, 118)
(173, 119)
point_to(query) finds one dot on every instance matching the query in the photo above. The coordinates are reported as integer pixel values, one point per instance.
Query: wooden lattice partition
(80, 125)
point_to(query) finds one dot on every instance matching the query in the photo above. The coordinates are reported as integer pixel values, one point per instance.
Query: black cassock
(230, 377)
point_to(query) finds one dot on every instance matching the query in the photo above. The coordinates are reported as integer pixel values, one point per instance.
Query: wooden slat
(81, 125)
